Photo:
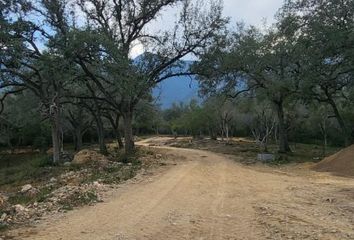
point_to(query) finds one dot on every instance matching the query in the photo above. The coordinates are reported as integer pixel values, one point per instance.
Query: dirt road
(208, 196)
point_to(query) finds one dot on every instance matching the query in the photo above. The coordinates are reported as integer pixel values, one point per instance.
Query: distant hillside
(177, 89)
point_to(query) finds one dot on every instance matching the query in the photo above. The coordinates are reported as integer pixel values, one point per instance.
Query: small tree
(325, 33)
(119, 25)
(262, 125)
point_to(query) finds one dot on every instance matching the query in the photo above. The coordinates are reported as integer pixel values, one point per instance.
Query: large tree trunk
(8, 138)
(55, 141)
(74, 141)
(227, 132)
(222, 132)
(283, 133)
(115, 127)
(276, 134)
(340, 121)
(100, 134)
(119, 138)
(213, 135)
(128, 132)
(157, 132)
(78, 137)
(323, 127)
(54, 111)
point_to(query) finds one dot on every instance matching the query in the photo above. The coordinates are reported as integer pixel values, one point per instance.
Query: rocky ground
(84, 181)
(203, 195)
(196, 195)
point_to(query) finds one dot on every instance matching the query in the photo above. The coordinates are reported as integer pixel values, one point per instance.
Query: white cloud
(252, 12)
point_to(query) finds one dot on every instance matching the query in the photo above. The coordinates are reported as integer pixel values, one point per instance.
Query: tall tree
(326, 34)
(252, 61)
(28, 59)
(121, 25)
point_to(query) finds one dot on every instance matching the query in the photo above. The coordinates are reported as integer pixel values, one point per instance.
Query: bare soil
(204, 195)
(246, 150)
(341, 163)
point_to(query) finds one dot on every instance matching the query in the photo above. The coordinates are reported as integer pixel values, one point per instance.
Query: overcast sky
(252, 12)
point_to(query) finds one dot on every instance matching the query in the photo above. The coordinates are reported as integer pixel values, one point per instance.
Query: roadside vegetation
(245, 150)
(34, 187)
(71, 90)
(73, 79)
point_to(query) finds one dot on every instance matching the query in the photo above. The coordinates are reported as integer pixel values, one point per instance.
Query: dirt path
(207, 196)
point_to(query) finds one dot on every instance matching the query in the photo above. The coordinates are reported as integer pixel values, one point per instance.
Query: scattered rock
(67, 164)
(330, 200)
(20, 209)
(29, 190)
(26, 188)
(88, 156)
(66, 191)
(32, 192)
(97, 185)
(53, 180)
(3, 217)
(265, 157)
(158, 156)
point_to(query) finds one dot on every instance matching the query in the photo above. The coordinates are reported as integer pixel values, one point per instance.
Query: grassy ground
(15, 169)
(36, 169)
(22, 168)
(249, 150)
(73, 185)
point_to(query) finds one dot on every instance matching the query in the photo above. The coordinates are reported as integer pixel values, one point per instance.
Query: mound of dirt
(87, 156)
(341, 163)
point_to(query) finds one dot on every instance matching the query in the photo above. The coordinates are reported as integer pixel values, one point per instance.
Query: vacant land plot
(204, 195)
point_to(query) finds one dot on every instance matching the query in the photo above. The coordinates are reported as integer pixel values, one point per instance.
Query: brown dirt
(341, 163)
(87, 156)
(208, 196)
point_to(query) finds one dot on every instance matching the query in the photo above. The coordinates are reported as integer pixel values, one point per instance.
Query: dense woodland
(67, 74)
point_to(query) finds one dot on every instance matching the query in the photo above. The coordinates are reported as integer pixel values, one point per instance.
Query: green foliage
(147, 118)
(20, 198)
(78, 199)
(304, 59)
(299, 66)
(22, 123)
(15, 169)
(3, 227)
